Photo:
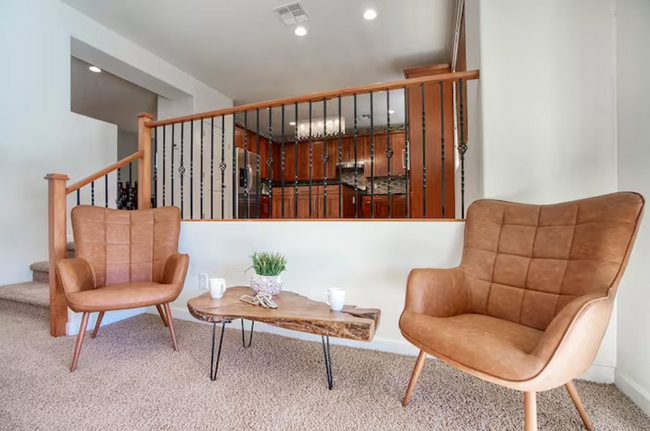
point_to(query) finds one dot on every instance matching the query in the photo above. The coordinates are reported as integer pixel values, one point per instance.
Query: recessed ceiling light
(370, 14)
(95, 69)
(300, 31)
(391, 111)
(293, 123)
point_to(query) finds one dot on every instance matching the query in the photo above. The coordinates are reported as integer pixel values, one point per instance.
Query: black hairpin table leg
(214, 368)
(243, 338)
(328, 361)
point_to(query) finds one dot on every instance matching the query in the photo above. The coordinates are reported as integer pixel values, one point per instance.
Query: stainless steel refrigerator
(248, 186)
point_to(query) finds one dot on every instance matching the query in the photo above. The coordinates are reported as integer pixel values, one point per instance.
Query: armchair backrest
(524, 263)
(125, 246)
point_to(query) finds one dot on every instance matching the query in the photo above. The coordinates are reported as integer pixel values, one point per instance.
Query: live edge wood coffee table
(294, 312)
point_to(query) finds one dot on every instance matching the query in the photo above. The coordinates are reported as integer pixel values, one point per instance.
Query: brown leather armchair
(531, 300)
(125, 259)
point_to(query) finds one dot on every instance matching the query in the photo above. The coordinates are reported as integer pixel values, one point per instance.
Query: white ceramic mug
(217, 287)
(335, 298)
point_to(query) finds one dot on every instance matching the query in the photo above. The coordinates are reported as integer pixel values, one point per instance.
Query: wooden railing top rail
(94, 177)
(326, 95)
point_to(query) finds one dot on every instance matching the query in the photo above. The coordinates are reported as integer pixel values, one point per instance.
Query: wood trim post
(57, 239)
(144, 163)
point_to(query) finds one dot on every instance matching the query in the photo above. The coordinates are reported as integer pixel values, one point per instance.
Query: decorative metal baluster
(372, 155)
(258, 186)
(269, 162)
(282, 148)
(106, 191)
(92, 193)
(356, 171)
(407, 144)
(340, 161)
(310, 157)
(212, 169)
(295, 163)
(172, 166)
(222, 166)
(442, 145)
(164, 170)
(192, 169)
(245, 172)
(235, 207)
(462, 149)
(389, 154)
(155, 170)
(78, 197)
(130, 204)
(119, 203)
(201, 191)
(181, 169)
(325, 157)
(424, 153)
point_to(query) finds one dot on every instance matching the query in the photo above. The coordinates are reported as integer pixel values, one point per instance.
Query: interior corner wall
(633, 113)
(548, 106)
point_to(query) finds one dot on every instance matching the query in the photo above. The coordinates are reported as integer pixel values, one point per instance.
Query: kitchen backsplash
(397, 183)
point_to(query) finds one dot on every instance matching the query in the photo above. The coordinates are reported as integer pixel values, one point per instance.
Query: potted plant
(268, 267)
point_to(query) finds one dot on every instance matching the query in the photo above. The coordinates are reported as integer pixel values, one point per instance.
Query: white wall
(548, 112)
(633, 96)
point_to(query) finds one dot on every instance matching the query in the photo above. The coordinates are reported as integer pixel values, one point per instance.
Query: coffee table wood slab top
(294, 312)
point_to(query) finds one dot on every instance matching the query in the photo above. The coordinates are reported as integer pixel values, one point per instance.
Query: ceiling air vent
(291, 14)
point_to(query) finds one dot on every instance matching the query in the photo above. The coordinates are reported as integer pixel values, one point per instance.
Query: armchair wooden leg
(419, 364)
(170, 321)
(162, 314)
(80, 340)
(530, 406)
(99, 322)
(570, 387)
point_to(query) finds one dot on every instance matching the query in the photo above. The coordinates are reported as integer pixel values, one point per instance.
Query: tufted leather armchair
(531, 300)
(125, 259)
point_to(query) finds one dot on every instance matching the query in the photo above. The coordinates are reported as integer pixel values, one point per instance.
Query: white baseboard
(596, 373)
(74, 319)
(629, 387)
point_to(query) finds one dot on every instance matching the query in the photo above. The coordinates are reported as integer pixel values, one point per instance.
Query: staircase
(37, 291)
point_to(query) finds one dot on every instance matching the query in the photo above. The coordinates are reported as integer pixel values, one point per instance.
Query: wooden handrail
(383, 86)
(94, 177)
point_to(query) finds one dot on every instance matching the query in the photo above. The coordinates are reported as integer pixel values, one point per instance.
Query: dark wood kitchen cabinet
(397, 161)
(397, 206)
(320, 207)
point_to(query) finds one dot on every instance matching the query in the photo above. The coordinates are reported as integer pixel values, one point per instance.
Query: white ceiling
(242, 49)
(106, 97)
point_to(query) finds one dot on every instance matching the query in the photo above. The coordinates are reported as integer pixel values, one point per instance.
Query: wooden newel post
(144, 164)
(57, 238)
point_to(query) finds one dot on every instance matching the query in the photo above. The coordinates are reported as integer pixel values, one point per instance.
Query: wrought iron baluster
(389, 154)
(164, 170)
(258, 190)
(325, 157)
(442, 145)
(181, 169)
(118, 200)
(222, 166)
(212, 169)
(340, 161)
(192, 169)
(372, 155)
(106, 191)
(245, 171)
(269, 162)
(356, 167)
(92, 193)
(130, 205)
(172, 165)
(282, 148)
(295, 163)
(424, 153)
(462, 149)
(78, 197)
(235, 208)
(155, 170)
(407, 144)
(310, 156)
(201, 170)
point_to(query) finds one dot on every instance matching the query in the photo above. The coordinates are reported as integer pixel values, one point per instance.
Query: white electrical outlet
(203, 281)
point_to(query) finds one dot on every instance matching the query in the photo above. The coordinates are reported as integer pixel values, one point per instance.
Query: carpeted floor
(130, 379)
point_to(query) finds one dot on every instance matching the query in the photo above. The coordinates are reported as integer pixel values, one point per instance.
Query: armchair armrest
(437, 292)
(175, 269)
(76, 275)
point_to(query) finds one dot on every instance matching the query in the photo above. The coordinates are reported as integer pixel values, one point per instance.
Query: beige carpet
(130, 379)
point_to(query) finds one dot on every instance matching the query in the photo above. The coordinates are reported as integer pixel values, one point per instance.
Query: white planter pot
(266, 284)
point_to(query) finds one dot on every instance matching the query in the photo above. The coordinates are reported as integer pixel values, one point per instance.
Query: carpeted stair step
(31, 292)
(41, 270)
